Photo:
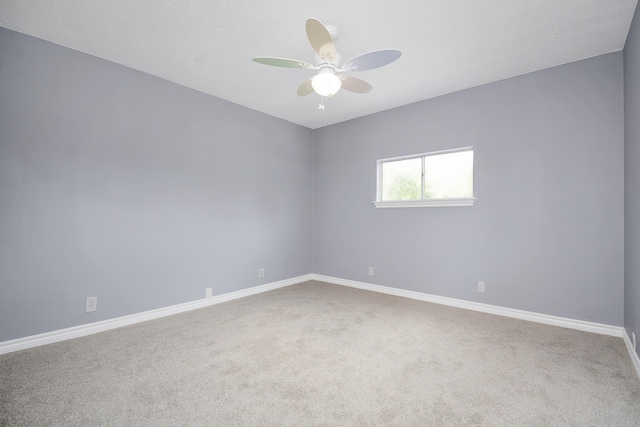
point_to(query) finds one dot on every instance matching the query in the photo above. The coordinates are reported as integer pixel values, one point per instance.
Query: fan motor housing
(319, 61)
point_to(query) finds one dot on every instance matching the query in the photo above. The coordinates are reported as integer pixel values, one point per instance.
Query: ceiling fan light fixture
(326, 83)
(330, 78)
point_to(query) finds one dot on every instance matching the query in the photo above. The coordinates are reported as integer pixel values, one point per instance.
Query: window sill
(431, 203)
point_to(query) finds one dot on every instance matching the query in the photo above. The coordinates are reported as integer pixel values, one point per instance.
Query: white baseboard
(105, 325)
(598, 328)
(634, 356)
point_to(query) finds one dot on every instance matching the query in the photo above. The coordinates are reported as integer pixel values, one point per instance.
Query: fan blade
(283, 62)
(321, 40)
(353, 84)
(305, 88)
(371, 60)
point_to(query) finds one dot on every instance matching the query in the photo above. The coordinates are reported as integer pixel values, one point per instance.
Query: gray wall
(120, 185)
(546, 234)
(632, 180)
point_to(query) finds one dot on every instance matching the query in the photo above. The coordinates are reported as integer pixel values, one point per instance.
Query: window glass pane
(401, 180)
(448, 175)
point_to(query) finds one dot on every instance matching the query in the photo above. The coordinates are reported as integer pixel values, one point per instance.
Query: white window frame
(422, 203)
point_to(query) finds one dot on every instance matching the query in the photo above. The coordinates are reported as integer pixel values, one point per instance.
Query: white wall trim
(598, 328)
(634, 356)
(105, 325)
(426, 203)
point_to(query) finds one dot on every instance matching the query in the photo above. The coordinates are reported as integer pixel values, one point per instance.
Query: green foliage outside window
(448, 175)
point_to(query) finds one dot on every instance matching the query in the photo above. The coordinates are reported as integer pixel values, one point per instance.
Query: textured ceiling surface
(447, 45)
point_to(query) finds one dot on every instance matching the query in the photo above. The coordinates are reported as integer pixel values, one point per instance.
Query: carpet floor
(325, 355)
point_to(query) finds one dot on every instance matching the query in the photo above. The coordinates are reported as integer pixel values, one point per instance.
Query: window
(441, 178)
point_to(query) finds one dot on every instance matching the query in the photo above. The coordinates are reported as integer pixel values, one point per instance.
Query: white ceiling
(447, 45)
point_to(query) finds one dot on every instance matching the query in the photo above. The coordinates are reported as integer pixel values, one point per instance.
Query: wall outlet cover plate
(91, 304)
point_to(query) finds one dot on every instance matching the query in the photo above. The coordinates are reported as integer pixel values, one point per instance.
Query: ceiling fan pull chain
(321, 105)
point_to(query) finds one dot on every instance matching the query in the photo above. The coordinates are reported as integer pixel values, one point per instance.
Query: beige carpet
(320, 354)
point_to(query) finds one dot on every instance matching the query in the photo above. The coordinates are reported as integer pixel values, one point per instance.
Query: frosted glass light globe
(326, 83)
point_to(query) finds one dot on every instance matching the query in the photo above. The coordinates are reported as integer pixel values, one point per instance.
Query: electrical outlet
(260, 272)
(208, 293)
(370, 271)
(91, 304)
(481, 287)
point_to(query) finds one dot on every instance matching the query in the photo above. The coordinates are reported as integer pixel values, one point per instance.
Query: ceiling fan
(330, 78)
